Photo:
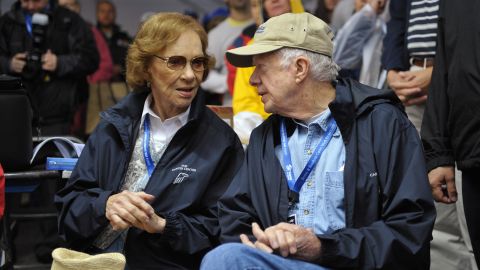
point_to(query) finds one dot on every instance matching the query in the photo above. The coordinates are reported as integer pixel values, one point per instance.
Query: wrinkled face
(277, 7)
(33, 6)
(105, 14)
(174, 90)
(275, 84)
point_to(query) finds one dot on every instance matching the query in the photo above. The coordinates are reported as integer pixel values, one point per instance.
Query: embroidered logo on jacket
(180, 178)
(184, 173)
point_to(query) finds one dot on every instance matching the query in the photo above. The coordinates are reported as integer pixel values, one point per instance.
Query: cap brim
(242, 56)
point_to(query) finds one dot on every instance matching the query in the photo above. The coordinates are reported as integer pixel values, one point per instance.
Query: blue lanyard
(28, 23)
(146, 146)
(293, 185)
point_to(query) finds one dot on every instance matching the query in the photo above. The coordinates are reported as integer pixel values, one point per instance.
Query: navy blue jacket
(395, 52)
(389, 208)
(206, 148)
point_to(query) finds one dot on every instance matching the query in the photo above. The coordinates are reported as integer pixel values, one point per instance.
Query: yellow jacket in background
(245, 96)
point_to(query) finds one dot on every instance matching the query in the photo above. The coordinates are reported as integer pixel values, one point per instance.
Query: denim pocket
(334, 199)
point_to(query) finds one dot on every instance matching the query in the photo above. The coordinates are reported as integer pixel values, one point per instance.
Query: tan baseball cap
(301, 30)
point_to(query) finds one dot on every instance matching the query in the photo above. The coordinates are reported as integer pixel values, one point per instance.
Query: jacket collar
(353, 99)
(126, 114)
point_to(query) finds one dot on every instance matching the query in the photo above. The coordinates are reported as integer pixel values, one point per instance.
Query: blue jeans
(241, 257)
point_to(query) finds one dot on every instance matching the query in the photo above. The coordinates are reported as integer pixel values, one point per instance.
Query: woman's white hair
(322, 67)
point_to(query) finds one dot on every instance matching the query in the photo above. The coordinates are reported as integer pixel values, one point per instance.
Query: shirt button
(306, 212)
(309, 152)
(309, 184)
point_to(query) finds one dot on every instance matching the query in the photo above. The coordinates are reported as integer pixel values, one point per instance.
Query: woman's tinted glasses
(178, 62)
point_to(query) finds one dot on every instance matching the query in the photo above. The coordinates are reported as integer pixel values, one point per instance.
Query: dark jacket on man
(389, 208)
(206, 149)
(118, 44)
(55, 94)
(451, 124)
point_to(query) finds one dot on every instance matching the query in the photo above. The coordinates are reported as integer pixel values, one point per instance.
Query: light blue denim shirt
(321, 205)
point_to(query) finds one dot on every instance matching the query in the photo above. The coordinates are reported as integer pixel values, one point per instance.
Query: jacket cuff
(329, 250)
(173, 228)
(100, 206)
(440, 161)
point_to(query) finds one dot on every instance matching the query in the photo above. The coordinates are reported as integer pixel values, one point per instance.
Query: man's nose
(254, 80)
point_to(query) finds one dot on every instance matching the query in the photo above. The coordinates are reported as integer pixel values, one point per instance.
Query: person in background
(354, 38)
(118, 40)
(325, 9)
(52, 51)
(243, 39)
(247, 105)
(219, 38)
(53, 80)
(104, 72)
(213, 18)
(409, 57)
(335, 178)
(149, 178)
(451, 123)
(410, 51)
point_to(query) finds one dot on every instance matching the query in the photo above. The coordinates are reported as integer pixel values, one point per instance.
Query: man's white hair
(322, 67)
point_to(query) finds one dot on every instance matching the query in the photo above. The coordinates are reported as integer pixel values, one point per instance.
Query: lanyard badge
(294, 186)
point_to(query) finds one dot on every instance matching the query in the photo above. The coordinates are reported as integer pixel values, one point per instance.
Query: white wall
(129, 12)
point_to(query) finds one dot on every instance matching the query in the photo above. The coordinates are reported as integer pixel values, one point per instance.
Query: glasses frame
(166, 59)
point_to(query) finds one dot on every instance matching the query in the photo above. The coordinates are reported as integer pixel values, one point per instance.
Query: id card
(292, 219)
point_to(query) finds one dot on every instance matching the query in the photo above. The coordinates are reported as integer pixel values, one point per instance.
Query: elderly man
(361, 199)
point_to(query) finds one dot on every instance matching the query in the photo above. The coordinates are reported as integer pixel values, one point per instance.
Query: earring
(149, 84)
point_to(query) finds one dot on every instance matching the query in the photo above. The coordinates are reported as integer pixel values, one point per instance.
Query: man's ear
(302, 68)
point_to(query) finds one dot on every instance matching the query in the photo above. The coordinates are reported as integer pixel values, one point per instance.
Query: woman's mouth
(186, 92)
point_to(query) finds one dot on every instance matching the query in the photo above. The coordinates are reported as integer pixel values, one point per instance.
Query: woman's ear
(302, 68)
(147, 74)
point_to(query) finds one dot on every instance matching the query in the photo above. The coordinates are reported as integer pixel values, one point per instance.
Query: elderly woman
(149, 178)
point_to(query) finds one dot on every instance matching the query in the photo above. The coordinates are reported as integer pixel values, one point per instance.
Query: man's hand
(411, 87)
(127, 209)
(49, 61)
(439, 178)
(286, 239)
(18, 62)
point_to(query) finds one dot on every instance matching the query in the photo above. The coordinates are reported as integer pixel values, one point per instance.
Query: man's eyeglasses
(179, 62)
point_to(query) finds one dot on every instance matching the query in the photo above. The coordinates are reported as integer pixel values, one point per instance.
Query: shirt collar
(320, 120)
(182, 117)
